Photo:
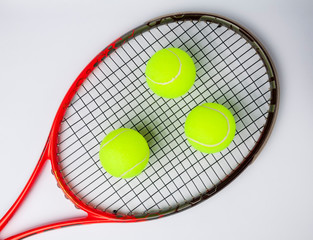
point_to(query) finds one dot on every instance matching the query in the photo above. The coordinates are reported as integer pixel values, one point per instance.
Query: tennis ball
(210, 127)
(124, 153)
(170, 73)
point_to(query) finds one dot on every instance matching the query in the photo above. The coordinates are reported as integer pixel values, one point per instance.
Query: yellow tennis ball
(210, 127)
(124, 153)
(170, 73)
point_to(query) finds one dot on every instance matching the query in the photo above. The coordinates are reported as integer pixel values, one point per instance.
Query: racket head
(181, 24)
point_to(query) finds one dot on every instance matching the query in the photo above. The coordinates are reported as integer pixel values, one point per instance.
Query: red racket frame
(50, 150)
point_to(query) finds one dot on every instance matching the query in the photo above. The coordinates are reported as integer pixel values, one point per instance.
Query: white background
(45, 44)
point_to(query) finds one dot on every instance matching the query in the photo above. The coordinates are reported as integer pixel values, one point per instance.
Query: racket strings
(198, 76)
(115, 95)
(241, 90)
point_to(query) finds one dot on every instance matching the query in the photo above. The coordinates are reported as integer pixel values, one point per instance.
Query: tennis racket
(233, 69)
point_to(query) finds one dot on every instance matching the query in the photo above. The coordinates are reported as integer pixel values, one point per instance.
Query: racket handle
(10, 213)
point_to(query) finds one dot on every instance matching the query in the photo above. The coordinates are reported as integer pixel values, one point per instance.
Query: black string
(116, 95)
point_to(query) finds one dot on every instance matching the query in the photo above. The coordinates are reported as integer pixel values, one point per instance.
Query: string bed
(115, 95)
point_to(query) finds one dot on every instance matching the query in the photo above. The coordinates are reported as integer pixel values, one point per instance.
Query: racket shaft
(41, 229)
(10, 213)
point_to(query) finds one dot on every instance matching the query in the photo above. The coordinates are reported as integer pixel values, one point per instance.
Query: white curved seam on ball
(174, 78)
(214, 145)
(113, 139)
(134, 166)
